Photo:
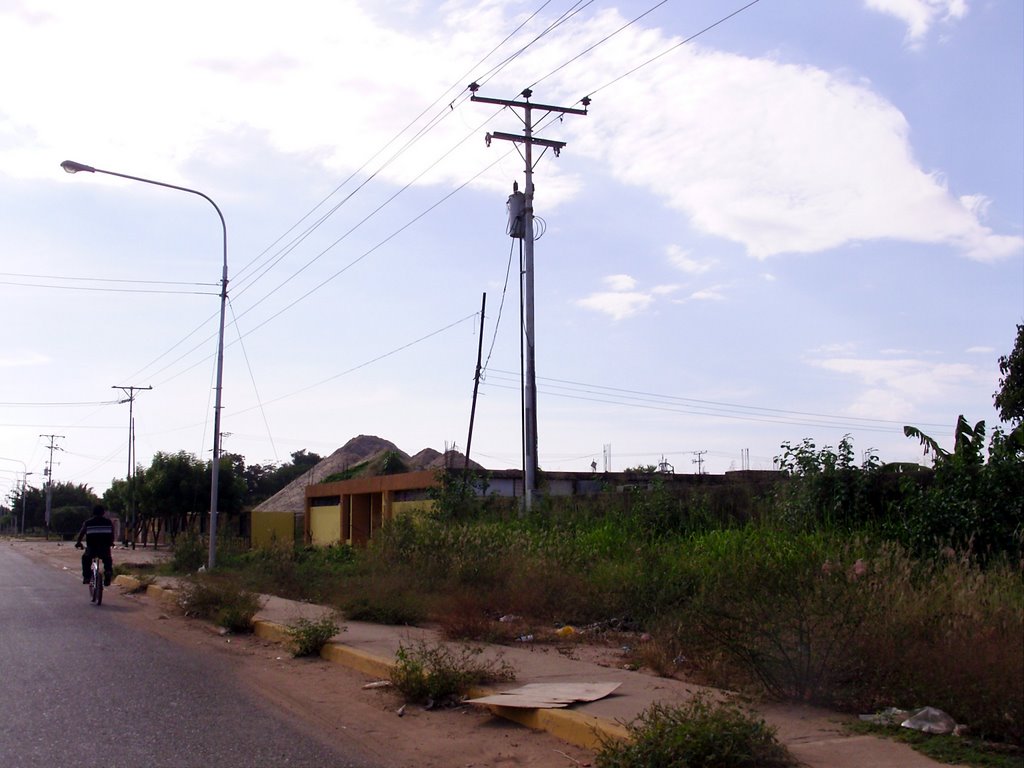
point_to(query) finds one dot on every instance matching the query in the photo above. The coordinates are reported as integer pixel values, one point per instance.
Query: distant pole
(476, 380)
(49, 483)
(699, 461)
(528, 141)
(129, 392)
(24, 485)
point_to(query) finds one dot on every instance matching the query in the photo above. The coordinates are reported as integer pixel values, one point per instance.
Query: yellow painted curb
(128, 582)
(364, 662)
(269, 630)
(166, 596)
(572, 727)
(577, 728)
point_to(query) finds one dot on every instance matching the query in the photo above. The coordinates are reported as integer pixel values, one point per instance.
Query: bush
(700, 734)
(190, 553)
(309, 637)
(219, 601)
(437, 676)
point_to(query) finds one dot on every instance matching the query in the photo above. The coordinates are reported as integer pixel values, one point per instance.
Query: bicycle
(96, 578)
(96, 581)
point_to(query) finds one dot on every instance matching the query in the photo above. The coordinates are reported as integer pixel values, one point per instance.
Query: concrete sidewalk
(814, 736)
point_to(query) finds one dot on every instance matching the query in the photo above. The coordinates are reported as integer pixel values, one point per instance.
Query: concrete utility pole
(129, 392)
(49, 482)
(528, 140)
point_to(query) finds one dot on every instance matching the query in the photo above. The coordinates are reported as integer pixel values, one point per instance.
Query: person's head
(98, 510)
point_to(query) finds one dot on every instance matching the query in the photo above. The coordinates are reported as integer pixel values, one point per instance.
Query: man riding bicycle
(98, 532)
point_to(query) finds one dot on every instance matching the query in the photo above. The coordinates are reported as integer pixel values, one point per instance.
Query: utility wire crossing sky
(777, 220)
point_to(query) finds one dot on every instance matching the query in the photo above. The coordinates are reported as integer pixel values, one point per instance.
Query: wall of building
(270, 528)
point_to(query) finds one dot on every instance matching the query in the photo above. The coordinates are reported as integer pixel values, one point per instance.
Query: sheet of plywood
(547, 695)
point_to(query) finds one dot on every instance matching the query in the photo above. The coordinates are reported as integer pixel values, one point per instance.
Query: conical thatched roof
(368, 450)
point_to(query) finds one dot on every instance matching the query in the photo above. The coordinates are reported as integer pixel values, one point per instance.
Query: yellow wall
(325, 525)
(270, 527)
(400, 507)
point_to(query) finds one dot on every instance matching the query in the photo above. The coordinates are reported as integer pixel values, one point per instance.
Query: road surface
(80, 686)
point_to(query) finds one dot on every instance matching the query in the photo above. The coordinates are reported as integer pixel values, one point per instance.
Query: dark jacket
(98, 533)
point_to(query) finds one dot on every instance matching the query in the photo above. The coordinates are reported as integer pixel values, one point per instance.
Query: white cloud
(620, 282)
(621, 301)
(981, 350)
(783, 158)
(712, 293)
(896, 388)
(976, 205)
(777, 157)
(681, 260)
(619, 304)
(920, 15)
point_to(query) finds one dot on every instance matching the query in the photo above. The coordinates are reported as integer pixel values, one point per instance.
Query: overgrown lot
(845, 586)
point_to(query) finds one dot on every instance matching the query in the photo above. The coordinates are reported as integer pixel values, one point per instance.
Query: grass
(436, 675)
(840, 618)
(954, 750)
(308, 637)
(702, 733)
(220, 601)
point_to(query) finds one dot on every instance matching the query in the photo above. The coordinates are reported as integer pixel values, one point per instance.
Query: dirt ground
(328, 701)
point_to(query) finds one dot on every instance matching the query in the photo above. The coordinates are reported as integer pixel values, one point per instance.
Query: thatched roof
(373, 453)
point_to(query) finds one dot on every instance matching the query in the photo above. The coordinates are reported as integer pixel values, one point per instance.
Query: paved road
(81, 687)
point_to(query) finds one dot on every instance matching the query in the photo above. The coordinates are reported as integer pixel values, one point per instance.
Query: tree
(175, 487)
(62, 495)
(1009, 399)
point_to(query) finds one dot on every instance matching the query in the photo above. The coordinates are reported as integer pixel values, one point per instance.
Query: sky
(779, 220)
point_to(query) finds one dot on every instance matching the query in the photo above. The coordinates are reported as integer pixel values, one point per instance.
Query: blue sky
(804, 223)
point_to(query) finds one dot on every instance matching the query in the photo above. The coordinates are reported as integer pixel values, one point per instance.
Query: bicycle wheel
(98, 575)
(92, 585)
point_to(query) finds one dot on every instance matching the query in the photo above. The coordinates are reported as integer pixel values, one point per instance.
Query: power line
(102, 279)
(667, 51)
(59, 405)
(104, 290)
(668, 403)
(364, 364)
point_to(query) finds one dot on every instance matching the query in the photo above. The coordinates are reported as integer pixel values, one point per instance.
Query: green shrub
(190, 553)
(309, 637)
(700, 734)
(437, 676)
(394, 608)
(219, 601)
(782, 606)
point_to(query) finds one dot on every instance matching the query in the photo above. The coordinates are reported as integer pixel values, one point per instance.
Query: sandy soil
(328, 701)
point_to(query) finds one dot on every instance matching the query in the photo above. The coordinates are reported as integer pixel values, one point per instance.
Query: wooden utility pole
(529, 141)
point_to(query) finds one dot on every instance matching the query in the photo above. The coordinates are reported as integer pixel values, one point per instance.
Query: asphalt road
(79, 686)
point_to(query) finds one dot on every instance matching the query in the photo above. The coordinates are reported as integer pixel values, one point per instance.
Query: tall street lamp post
(72, 167)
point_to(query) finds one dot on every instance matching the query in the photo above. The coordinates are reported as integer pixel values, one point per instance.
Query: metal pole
(72, 167)
(24, 494)
(24, 485)
(530, 415)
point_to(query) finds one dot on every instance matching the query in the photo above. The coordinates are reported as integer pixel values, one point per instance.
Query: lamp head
(72, 167)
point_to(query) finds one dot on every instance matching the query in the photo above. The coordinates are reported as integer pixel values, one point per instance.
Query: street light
(72, 167)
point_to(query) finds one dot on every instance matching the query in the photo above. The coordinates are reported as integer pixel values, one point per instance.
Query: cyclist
(98, 532)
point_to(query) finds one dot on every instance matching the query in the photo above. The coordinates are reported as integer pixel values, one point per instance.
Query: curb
(576, 728)
(572, 727)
